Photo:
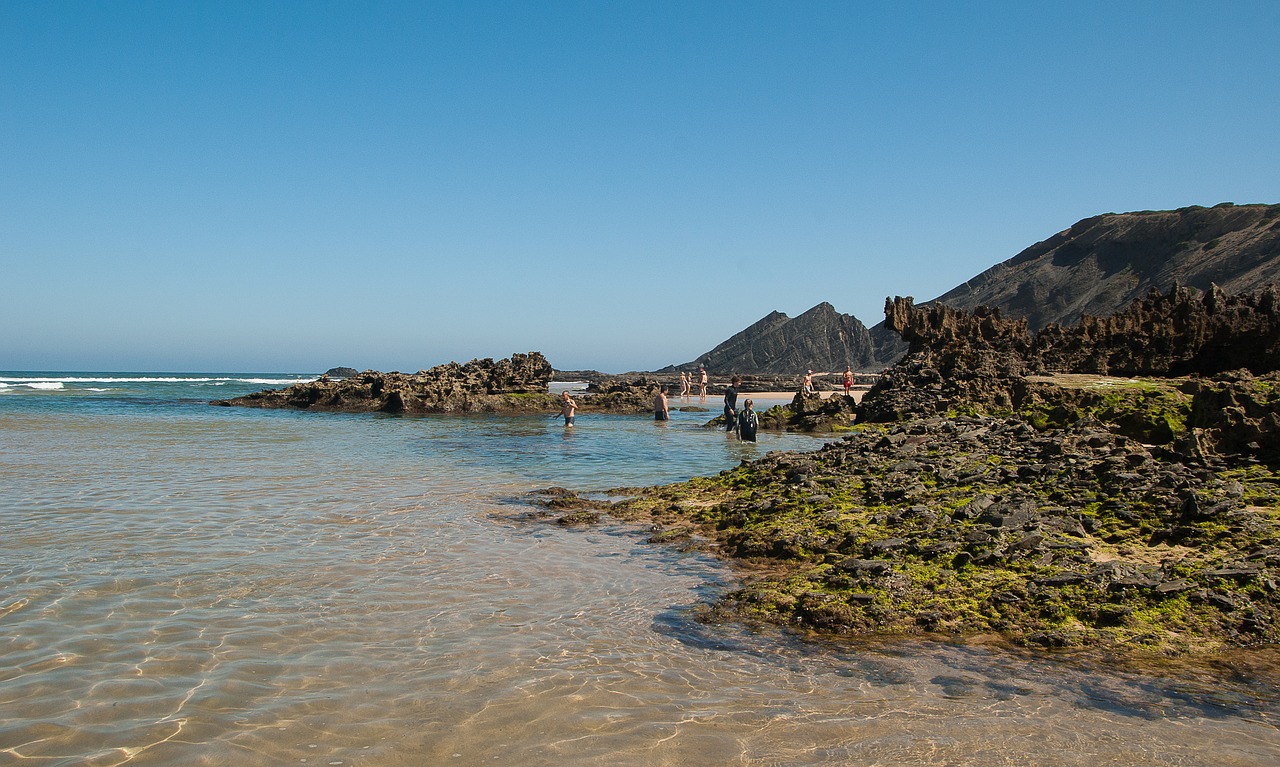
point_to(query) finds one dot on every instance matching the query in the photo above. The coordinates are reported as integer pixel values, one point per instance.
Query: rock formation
(981, 362)
(1096, 267)
(517, 384)
(1175, 334)
(1101, 265)
(811, 413)
(996, 484)
(820, 339)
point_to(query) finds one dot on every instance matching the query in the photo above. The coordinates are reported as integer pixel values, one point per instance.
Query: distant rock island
(1098, 266)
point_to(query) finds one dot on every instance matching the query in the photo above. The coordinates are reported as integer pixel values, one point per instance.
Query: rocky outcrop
(1103, 264)
(976, 525)
(342, 372)
(517, 384)
(820, 339)
(1207, 370)
(1002, 486)
(811, 413)
(955, 357)
(1178, 333)
(1096, 267)
(618, 395)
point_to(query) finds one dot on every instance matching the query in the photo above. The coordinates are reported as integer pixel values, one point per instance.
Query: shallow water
(184, 584)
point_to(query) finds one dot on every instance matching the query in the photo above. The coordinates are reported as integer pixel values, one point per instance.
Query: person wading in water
(748, 422)
(567, 408)
(731, 405)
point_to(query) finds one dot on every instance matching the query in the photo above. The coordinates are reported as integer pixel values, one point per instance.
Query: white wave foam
(31, 381)
(272, 380)
(47, 385)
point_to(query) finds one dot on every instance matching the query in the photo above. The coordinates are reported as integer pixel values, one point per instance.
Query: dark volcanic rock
(1176, 334)
(810, 413)
(618, 395)
(959, 526)
(342, 372)
(995, 483)
(517, 384)
(979, 360)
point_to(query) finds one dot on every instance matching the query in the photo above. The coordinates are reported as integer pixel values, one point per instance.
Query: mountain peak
(820, 338)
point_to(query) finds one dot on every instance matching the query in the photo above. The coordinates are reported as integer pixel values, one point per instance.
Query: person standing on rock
(808, 382)
(748, 422)
(660, 411)
(567, 408)
(848, 380)
(731, 405)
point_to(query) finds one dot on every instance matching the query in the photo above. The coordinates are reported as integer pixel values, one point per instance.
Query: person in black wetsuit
(748, 422)
(731, 405)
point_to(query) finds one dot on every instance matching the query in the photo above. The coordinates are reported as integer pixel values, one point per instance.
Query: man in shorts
(567, 408)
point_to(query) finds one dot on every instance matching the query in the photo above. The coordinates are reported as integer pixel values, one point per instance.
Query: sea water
(185, 584)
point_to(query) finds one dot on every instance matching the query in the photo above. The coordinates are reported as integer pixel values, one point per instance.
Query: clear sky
(290, 186)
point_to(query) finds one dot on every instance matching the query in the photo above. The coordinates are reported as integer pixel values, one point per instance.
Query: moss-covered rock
(978, 525)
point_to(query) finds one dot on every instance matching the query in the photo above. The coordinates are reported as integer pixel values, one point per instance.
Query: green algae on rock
(981, 525)
(987, 491)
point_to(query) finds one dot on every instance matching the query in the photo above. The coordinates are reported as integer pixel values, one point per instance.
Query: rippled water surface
(183, 584)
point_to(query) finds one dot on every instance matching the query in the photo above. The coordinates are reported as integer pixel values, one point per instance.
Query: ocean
(183, 584)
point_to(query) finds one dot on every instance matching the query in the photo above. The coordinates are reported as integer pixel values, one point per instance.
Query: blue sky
(289, 186)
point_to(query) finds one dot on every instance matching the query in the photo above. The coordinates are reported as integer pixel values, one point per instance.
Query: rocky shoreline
(517, 385)
(997, 483)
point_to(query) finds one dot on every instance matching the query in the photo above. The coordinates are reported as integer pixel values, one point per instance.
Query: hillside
(1096, 267)
(1102, 264)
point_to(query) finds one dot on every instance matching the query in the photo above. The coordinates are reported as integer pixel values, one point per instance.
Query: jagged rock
(960, 360)
(341, 372)
(1175, 334)
(1096, 267)
(1101, 265)
(517, 384)
(616, 395)
(810, 413)
(1024, 546)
